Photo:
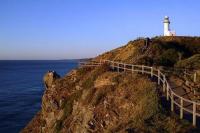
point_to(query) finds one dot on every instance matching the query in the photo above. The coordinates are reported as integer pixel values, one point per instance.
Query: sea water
(21, 90)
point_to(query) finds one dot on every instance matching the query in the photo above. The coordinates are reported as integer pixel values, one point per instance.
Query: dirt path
(179, 88)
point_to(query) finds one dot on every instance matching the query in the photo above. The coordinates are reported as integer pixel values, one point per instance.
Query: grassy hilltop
(160, 51)
(99, 100)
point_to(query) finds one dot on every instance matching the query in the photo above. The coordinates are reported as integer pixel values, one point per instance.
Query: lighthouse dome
(166, 19)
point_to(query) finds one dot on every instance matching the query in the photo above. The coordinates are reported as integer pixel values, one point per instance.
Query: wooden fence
(182, 103)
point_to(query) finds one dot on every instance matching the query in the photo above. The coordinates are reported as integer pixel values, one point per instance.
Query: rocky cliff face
(100, 100)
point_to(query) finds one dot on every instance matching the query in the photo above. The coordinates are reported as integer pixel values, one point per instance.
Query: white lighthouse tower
(167, 31)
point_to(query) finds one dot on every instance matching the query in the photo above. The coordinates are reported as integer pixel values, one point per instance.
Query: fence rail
(182, 103)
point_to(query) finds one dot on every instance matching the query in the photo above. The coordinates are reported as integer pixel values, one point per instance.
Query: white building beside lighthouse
(167, 31)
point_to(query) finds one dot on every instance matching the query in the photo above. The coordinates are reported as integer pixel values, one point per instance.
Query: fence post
(113, 65)
(151, 71)
(158, 76)
(172, 102)
(167, 92)
(195, 77)
(142, 69)
(181, 109)
(185, 71)
(132, 69)
(118, 67)
(194, 114)
(194, 91)
(164, 79)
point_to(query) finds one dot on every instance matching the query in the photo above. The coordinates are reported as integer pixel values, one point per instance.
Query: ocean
(21, 90)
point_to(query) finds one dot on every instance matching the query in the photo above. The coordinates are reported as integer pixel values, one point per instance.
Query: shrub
(146, 61)
(89, 80)
(168, 58)
(192, 62)
(68, 108)
(83, 70)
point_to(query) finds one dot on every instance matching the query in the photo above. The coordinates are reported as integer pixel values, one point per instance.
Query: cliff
(97, 99)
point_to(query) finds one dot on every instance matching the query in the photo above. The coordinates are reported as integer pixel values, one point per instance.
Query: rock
(61, 102)
(60, 114)
(50, 119)
(104, 80)
(187, 83)
(54, 104)
(73, 74)
(43, 129)
(78, 87)
(49, 78)
(91, 125)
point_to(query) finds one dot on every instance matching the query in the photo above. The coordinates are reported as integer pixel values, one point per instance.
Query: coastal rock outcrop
(98, 99)
(49, 78)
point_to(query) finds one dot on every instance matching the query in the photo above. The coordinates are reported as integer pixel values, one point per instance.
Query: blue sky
(66, 29)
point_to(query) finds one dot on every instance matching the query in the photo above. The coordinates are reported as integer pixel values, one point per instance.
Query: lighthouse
(167, 31)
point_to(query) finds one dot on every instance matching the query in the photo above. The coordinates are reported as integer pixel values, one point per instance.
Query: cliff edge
(97, 99)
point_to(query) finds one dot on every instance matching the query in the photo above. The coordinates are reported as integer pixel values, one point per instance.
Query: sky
(73, 29)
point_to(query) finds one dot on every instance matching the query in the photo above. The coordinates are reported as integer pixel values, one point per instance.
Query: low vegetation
(192, 62)
(97, 99)
(161, 51)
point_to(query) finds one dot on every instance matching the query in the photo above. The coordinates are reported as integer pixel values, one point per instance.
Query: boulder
(49, 78)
